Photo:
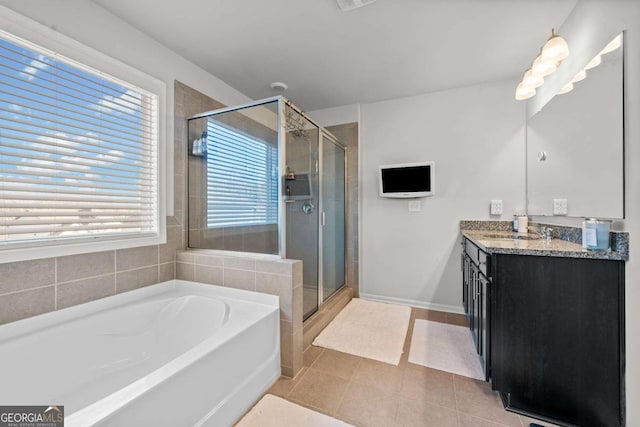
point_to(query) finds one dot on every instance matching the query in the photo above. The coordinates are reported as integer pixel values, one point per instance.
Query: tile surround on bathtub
(19, 276)
(135, 279)
(20, 305)
(209, 275)
(74, 267)
(255, 272)
(29, 288)
(84, 290)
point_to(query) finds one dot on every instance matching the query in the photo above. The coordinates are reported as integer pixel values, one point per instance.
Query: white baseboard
(414, 303)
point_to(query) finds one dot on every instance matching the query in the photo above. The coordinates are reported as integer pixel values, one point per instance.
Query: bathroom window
(79, 154)
(242, 178)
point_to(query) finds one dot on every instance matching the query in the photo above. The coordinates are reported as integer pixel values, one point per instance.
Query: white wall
(475, 136)
(93, 26)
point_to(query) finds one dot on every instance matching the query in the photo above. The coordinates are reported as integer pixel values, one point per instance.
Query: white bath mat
(369, 329)
(272, 411)
(445, 347)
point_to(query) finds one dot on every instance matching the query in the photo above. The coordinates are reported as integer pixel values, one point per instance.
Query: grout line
(55, 281)
(28, 289)
(85, 278)
(115, 274)
(349, 382)
(136, 268)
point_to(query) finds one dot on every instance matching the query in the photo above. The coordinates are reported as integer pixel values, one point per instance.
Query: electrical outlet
(496, 207)
(415, 206)
(560, 206)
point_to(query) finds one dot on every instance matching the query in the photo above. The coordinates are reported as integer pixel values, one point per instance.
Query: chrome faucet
(545, 232)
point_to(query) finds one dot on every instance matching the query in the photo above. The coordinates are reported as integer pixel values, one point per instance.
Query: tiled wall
(269, 275)
(29, 288)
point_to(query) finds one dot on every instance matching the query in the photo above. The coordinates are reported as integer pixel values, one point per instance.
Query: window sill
(75, 248)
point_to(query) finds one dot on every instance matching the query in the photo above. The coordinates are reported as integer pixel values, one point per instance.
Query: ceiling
(388, 49)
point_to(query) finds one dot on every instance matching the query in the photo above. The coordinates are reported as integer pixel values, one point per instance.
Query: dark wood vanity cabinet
(476, 299)
(553, 331)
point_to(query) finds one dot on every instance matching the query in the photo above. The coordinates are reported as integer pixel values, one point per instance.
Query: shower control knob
(307, 208)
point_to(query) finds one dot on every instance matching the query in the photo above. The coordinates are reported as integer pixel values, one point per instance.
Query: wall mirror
(575, 144)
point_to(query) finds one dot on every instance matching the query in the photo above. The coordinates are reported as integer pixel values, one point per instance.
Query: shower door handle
(322, 219)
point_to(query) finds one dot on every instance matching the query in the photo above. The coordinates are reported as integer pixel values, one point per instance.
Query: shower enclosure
(265, 178)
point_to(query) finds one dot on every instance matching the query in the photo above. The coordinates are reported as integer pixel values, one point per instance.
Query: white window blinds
(78, 150)
(242, 178)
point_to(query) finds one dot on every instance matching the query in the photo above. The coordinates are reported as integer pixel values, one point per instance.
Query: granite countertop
(502, 242)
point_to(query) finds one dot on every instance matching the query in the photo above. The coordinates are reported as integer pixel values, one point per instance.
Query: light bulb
(543, 68)
(524, 92)
(594, 62)
(532, 80)
(613, 45)
(555, 49)
(580, 76)
(566, 88)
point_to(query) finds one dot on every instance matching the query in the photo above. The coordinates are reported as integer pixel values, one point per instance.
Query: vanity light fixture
(524, 92)
(547, 61)
(543, 68)
(566, 88)
(555, 49)
(613, 45)
(532, 80)
(582, 74)
(597, 60)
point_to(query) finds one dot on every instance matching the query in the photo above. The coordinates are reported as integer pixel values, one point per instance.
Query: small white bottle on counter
(523, 224)
(515, 223)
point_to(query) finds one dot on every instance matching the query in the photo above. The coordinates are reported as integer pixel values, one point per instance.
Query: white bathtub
(174, 354)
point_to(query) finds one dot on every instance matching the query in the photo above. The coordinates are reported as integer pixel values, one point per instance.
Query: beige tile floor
(365, 392)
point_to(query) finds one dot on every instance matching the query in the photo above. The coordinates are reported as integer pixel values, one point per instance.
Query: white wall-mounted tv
(407, 180)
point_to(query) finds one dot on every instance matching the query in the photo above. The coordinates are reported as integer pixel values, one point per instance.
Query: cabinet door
(474, 299)
(484, 287)
(466, 265)
(557, 338)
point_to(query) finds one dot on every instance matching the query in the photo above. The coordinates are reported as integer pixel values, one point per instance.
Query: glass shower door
(301, 197)
(332, 217)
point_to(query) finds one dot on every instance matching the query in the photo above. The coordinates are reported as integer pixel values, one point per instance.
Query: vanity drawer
(479, 257)
(471, 250)
(484, 264)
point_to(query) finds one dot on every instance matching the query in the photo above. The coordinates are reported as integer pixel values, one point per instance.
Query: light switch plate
(496, 207)
(415, 206)
(560, 206)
